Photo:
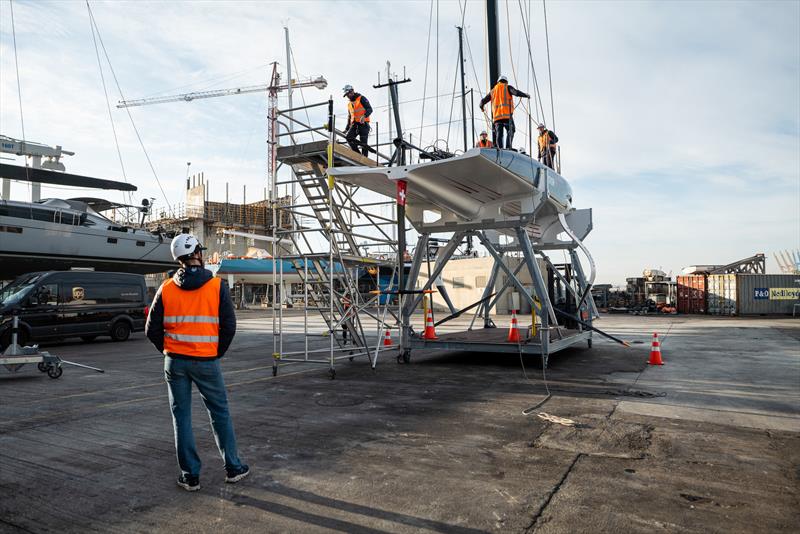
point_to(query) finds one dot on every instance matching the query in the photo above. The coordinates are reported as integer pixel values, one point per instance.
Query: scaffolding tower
(340, 246)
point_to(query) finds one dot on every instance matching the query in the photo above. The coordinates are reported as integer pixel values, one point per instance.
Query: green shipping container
(768, 294)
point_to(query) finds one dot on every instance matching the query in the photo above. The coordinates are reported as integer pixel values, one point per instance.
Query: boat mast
(492, 36)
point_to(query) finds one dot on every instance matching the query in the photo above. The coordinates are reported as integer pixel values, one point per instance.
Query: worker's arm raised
(517, 92)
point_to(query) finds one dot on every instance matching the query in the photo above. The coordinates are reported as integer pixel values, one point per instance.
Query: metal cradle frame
(546, 335)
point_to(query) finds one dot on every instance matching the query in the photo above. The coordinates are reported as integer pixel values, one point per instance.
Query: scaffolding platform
(316, 152)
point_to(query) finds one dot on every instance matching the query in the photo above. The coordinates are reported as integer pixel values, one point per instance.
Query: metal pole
(389, 79)
(472, 111)
(305, 306)
(290, 114)
(273, 188)
(463, 89)
(331, 234)
(492, 34)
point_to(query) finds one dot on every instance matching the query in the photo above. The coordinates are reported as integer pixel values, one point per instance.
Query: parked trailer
(692, 293)
(768, 294)
(722, 294)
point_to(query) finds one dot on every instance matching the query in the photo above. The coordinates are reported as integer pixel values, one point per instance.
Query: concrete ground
(710, 442)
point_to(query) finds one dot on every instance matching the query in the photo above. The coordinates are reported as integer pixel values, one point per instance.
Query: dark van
(61, 304)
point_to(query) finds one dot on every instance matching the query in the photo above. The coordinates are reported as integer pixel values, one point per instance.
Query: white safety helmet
(183, 245)
(502, 78)
(542, 126)
(484, 132)
(347, 88)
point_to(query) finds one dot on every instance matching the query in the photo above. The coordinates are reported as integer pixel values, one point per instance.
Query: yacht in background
(56, 234)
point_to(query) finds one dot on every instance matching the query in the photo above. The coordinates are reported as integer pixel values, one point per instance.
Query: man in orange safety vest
(502, 110)
(484, 142)
(358, 112)
(192, 322)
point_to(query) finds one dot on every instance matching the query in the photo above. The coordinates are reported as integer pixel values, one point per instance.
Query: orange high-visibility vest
(544, 141)
(502, 102)
(357, 111)
(191, 319)
(484, 144)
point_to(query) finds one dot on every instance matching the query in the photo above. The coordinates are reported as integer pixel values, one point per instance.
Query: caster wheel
(55, 372)
(351, 358)
(332, 373)
(399, 358)
(42, 367)
(274, 371)
(589, 342)
(406, 357)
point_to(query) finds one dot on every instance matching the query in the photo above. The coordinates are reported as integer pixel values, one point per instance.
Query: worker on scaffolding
(484, 142)
(502, 110)
(547, 145)
(358, 112)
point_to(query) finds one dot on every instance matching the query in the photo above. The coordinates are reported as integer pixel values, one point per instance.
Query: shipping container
(722, 294)
(692, 294)
(768, 294)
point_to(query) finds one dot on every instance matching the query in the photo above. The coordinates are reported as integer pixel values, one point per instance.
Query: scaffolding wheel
(406, 356)
(55, 372)
(589, 342)
(42, 366)
(274, 370)
(332, 373)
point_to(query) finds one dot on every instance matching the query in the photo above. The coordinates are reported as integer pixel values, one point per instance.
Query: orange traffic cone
(513, 331)
(387, 339)
(655, 352)
(429, 333)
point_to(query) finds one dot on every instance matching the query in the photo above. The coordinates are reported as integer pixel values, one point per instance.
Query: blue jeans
(208, 376)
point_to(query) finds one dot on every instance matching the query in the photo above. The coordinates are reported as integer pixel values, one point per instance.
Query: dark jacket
(514, 92)
(190, 279)
(365, 103)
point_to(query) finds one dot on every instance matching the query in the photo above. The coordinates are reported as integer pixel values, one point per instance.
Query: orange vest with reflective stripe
(484, 144)
(502, 103)
(191, 319)
(356, 110)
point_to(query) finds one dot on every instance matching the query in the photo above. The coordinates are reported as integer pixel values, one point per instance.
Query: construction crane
(319, 82)
(272, 89)
(35, 151)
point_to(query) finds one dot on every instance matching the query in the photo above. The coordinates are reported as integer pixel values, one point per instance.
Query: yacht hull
(30, 245)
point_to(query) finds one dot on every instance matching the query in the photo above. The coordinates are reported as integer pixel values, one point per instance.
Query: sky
(679, 122)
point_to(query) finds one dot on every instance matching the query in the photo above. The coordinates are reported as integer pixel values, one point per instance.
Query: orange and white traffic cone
(513, 331)
(655, 352)
(387, 339)
(429, 332)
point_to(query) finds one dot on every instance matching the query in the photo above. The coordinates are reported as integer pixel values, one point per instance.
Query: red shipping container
(692, 293)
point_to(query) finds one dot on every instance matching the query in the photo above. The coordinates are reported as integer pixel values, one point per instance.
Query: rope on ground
(556, 419)
(530, 410)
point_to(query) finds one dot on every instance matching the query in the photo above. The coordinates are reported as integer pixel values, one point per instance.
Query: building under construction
(221, 226)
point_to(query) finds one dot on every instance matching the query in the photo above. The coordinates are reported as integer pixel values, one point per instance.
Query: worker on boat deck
(484, 142)
(192, 322)
(502, 110)
(358, 112)
(547, 145)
